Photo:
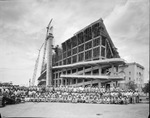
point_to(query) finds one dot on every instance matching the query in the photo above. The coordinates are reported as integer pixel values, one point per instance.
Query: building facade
(133, 72)
(88, 58)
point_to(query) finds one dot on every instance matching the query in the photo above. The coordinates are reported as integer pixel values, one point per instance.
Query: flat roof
(117, 61)
(134, 63)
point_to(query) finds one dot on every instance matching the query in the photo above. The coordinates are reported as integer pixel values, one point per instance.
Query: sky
(23, 29)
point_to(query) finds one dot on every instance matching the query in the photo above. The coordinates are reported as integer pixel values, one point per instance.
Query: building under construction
(88, 58)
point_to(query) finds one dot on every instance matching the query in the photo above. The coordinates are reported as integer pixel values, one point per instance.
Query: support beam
(110, 48)
(100, 70)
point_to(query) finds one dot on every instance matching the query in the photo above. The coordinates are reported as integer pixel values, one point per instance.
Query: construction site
(88, 58)
(83, 74)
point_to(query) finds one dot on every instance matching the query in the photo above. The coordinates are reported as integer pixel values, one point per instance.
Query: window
(69, 53)
(96, 30)
(96, 52)
(64, 72)
(88, 54)
(60, 57)
(81, 57)
(74, 41)
(69, 71)
(87, 67)
(103, 41)
(129, 78)
(69, 60)
(103, 51)
(74, 60)
(80, 38)
(81, 48)
(74, 51)
(87, 34)
(80, 80)
(68, 43)
(96, 42)
(64, 55)
(60, 63)
(80, 69)
(88, 45)
(64, 46)
(96, 72)
(74, 70)
(88, 73)
(56, 75)
(64, 62)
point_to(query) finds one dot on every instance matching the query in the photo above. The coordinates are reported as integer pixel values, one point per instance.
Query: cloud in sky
(23, 28)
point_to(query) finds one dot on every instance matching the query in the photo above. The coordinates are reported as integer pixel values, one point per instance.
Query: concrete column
(83, 82)
(112, 69)
(99, 84)
(58, 82)
(116, 68)
(76, 81)
(54, 82)
(100, 71)
(71, 81)
(61, 81)
(111, 84)
(49, 60)
(91, 74)
(91, 82)
(83, 70)
(65, 81)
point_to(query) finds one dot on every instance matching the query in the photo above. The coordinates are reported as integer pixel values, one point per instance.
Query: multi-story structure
(133, 72)
(87, 58)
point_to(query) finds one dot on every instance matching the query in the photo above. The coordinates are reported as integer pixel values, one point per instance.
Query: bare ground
(79, 110)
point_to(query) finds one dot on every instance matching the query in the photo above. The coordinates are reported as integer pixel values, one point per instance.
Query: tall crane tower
(45, 44)
(36, 66)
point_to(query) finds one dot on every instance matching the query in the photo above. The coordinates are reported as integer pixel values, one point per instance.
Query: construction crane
(36, 66)
(49, 28)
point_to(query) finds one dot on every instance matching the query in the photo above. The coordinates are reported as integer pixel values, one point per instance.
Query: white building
(133, 72)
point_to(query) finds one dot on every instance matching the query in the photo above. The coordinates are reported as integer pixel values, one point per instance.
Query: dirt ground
(79, 110)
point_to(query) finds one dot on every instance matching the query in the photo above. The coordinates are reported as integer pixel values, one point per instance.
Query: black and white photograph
(74, 58)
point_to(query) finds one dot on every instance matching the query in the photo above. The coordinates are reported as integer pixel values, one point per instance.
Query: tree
(146, 87)
(131, 85)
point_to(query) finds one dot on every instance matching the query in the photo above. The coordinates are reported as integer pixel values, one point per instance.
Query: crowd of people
(70, 94)
(11, 95)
